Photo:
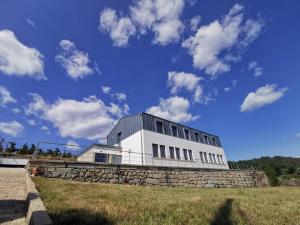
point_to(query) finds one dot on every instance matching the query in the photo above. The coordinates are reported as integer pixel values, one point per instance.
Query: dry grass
(81, 203)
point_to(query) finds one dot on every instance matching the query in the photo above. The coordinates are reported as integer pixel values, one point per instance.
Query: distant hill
(278, 168)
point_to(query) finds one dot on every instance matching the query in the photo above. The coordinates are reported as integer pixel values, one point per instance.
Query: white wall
(89, 156)
(132, 149)
(161, 139)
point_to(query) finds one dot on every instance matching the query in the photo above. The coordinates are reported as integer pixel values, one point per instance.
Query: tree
(31, 149)
(1, 145)
(49, 152)
(291, 170)
(56, 152)
(12, 147)
(271, 174)
(24, 149)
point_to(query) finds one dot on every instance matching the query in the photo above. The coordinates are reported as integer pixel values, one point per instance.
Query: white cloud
(37, 106)
(194, 22)
(5, 96)
(16, 59)
(119, 29)
(31, 122)
(16, 110)
(90, 118)
(159, 16)
(174, 108)
(74, 61)
(212, 45)
(233, 85)
(97, 69)
(255, 68)
(13, 128)
(262, 96)
(106, 89)
(297, 135)
(188, 81)
(115, 95)
(73, 145)
(30, 22)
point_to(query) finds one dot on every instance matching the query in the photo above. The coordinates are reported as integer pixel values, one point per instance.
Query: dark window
(205, 157)
(162, 151)
(177, 153)
(155, 150)
(172, 154)
(213, 141)
(214, 158)
(221, 157)
(100, 157)
(201, 157)
(187, 134)
(196, 137)
(185, 155)
(218, 159)
(205, 139)
(159, 127)
(174, 131)
(191, 155)
(210, 158)
(119, 137)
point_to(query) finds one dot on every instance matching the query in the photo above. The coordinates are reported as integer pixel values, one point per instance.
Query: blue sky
(70, 69)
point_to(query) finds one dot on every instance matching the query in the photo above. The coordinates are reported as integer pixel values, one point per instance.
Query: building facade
(144, 139)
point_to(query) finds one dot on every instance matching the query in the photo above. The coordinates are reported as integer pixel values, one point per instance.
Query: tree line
(11, 148)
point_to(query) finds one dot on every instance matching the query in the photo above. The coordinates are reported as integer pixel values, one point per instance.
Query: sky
(70, 69)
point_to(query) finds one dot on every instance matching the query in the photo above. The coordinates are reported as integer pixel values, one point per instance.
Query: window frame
(185, 154)
(162, 126)
(176, 128)
(189, 135)
(153, 154)
(190, 154)
(172, 152)
(177, 153)
(162, 151)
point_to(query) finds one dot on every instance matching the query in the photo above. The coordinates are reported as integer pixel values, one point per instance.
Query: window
(221, 157)
(174, 131)
(191, 155)
(100, 157)
(162, 151)
(201, 157)
(218, 158)
(187, 134)
(205, 157)
(155, 150)
(185, 155)
(214, 141)
(172, 155)
(159, 127)
(196, 136)
(214, 158)
(177, 153)
(210, 158)
(119, 137)
(205, 139)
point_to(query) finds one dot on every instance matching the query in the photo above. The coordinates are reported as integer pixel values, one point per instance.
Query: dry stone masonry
(163, 176)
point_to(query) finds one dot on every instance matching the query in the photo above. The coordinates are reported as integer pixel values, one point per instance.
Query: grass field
(81, 203)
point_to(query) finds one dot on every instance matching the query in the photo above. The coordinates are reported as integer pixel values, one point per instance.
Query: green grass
(85, 203)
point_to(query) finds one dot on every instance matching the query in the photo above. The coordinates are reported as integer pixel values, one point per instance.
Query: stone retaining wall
(140, 175)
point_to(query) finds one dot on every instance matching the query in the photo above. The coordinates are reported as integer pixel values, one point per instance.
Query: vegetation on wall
(277, 168)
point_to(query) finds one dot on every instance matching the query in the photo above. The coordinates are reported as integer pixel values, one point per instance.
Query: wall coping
(36, 213)
(79, 164)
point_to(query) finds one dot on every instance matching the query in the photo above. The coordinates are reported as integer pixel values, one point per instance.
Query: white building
(144, 139)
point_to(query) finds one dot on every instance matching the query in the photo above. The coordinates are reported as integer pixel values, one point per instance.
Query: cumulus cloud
(73, 145)
(13, 128)
(181, 80)
(115, 95)
(37, 106)
(194, 22)
(16, 59)
(74, 61)
(162, 17)
(5, 97)
(174, 108)
(89, 118)
(119, 29)
(213, 45)
(16, 110)
(233, 85)
(255, 68)
(31, 122)
(265, 95)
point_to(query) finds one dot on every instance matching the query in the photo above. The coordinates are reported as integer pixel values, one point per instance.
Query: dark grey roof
(131, 124)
